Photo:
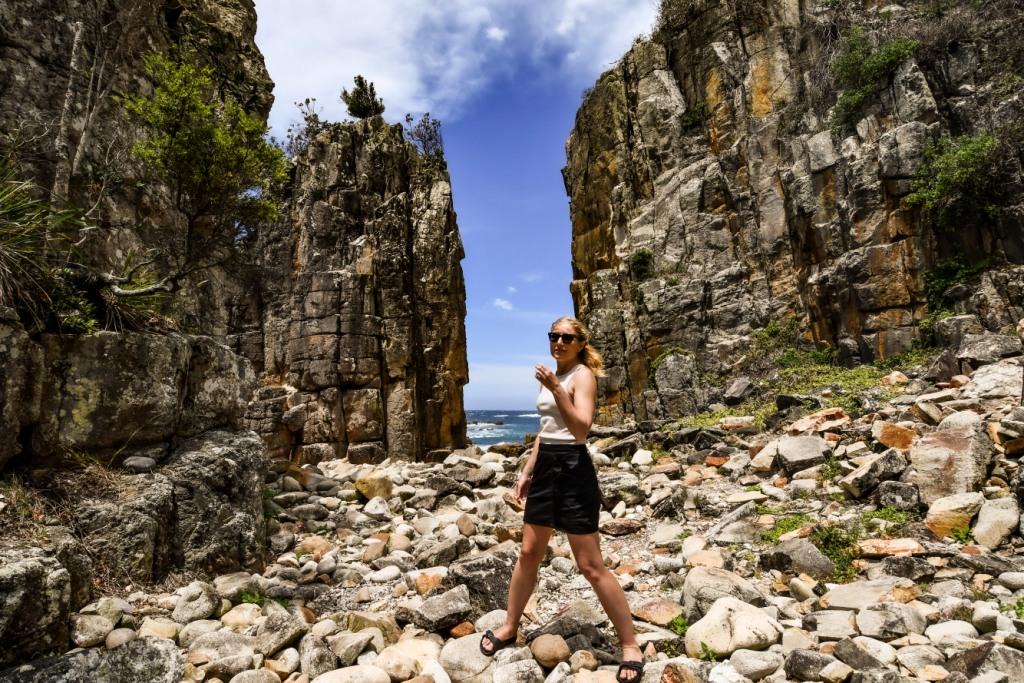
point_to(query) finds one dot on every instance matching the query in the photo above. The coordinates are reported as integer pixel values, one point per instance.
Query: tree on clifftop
(362, 102)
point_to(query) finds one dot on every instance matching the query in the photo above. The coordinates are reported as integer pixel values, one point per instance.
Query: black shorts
(563, 493)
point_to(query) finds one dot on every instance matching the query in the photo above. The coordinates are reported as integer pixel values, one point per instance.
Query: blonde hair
(588, 355)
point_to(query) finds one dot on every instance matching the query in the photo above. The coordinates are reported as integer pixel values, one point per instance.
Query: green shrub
(777, 334)
(1017, 608)
(956, 180)
(888, 514)
(34, 243)
(641, 265)
(962, 535)
(679, 625)
(838, 544)
(223, 172)
(783, 525)
(861, 69)
(830, 469)
(706, 653)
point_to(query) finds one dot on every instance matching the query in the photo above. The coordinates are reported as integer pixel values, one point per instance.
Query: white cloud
(435, 57)
(497, 34)
(531, 277)
(511, 289)
(503, 304)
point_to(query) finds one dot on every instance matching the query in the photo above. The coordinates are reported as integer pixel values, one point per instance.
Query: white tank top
(552, 427)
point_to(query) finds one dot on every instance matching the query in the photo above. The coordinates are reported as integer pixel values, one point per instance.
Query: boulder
(462, 659)
(439, 611)
(36, 596)
(977, 350)
(800, 452)
(198, 600)
(486, 576)
(798, 555)
(950, 461)
(407, 657)
(731, 625)
(149, 660)
(620, 486)
(998, 380)
(952, 512)
(705, 585)
(883, 467)
(997, 519)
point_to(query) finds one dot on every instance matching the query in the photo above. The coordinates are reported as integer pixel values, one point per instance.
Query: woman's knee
(532, 555)
(592, 570)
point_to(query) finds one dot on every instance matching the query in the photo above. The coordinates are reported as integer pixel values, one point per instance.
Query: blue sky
(505, 77)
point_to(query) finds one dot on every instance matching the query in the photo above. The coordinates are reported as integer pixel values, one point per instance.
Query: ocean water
(485, 427)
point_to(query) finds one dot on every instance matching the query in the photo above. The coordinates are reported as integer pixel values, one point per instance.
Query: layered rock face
(360, 330)
(710, 196)
(60, 72)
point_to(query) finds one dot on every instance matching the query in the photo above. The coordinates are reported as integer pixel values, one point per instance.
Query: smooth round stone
(1012, 580)
(384, 575)
(755, 664)
(139, 464)
(241, 616)
(119, 636)
(89, 629)
(324, 628)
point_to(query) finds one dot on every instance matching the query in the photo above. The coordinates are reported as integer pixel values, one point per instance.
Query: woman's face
(562, 349)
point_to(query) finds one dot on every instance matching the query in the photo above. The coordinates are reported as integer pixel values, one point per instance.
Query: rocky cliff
(129, 457)
(359, 324)
(63, 67)
(717, 189)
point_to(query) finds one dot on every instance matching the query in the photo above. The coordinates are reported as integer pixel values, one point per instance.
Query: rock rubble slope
(827, 549)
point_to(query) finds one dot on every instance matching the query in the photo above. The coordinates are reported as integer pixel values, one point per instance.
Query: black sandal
(630, 665)
(496, 642)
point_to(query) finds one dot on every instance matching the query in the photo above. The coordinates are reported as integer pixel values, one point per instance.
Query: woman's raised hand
(545, 376)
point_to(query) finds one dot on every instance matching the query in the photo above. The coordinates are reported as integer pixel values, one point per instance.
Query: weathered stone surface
(705, 585)
(886, 466)
(998, 380)
(35, 594)
(800, 452)
(674, 167)
(153, 660)
(731, 625)
(950, 461)
(462, 659)
(362, 305)
(21, 382)
(798, 555)
(202, 510)
(997, 519)
(361, 673)
(486, 576)
(953, 512)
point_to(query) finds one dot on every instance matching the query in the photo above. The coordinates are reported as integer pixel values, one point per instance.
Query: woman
(561, 492)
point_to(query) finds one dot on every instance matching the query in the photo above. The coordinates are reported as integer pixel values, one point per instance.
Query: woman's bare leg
(524, 577)
(586, 548)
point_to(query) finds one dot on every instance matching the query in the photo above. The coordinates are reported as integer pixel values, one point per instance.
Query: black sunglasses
(566, 338)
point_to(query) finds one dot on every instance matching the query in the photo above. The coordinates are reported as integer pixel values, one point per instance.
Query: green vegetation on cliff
(956, 179)
(223, 173)
(861, 69)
